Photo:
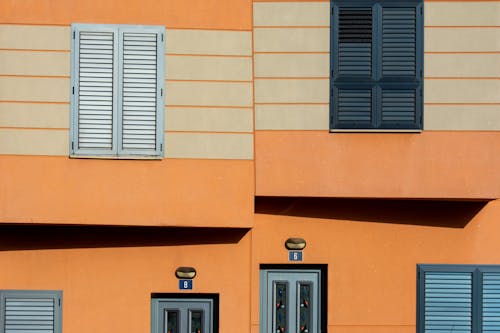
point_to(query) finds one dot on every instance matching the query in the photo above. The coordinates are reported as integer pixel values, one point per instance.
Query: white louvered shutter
(117, 101)
(94, 91)
(141, 106)
(30, 312)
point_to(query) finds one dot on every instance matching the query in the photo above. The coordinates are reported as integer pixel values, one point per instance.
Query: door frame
(156, 298)
(323, 288)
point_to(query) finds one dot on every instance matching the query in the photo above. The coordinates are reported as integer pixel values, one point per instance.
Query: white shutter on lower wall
(30, 311)
(141, 106)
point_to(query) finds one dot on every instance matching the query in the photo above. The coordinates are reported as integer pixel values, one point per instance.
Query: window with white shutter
(34, 311)
(376, 65)
(117, 91)
(458, 298)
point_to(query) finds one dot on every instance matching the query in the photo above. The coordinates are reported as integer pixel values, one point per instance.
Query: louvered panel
(491, 302)
(139, 93)
(29, 315)
(399, 105)
(95, 92)
(448, 302)
(354, 105)
(399, 41)
(355, 41)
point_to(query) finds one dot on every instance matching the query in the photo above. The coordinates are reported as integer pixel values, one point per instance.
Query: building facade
(140, 137)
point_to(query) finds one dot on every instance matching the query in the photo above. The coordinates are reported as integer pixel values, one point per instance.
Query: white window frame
(117, 152)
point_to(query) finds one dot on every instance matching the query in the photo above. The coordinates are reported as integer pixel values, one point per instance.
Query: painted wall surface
(108, 289)
(372, 255)
(451, 158)
(176, 192)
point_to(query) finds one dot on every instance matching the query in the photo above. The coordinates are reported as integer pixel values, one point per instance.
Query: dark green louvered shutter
(376, 64)
(490, 302)
(30, 311)
(448, 302)
(400, 66)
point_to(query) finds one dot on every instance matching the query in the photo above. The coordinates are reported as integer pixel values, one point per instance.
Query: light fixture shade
(185, 272)
(295, 243)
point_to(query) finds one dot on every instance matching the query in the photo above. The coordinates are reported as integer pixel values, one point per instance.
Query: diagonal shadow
(436, 213)
(32, 237)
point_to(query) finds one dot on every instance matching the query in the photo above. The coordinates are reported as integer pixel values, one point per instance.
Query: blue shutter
(354, 105)
(355, 41)
(399, 37)
(448, 302)
(30, 311)
(491, 302)
(377, 46)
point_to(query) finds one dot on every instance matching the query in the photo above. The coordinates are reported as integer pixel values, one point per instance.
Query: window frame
(56, 295)
(376, 81)
(117, 152)
(476, 272)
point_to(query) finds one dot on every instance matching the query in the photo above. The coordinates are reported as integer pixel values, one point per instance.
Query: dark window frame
(376, 82)
(477, 288)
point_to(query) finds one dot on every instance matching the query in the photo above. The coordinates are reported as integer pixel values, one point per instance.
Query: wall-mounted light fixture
(295, 243)
(185, 272)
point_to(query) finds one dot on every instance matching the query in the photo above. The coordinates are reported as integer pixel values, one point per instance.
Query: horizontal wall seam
(434, 103)
(209, 106)
(460, 78)
(221, 81)
(461, 26)
(208, 132)
(284, 52)
(33, 102)
(293, 103)
(35, 50)
(207, 55)
(166, 27)
(290, 26)
(462, 52)
(37, 76)
(36, 128)
(292, 77)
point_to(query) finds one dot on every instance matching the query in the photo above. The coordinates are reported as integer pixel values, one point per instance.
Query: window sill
(360, 130)
(108, 157)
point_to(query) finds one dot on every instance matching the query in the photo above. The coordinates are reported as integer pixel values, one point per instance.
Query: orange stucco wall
(372, 265)
(171, 192)
(212, 14)
(419, 165)
(109, 289)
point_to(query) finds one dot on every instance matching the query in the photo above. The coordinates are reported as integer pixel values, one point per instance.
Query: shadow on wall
(434, 213)
(35, 237)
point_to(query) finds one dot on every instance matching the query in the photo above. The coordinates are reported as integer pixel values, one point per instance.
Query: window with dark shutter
(458, 298)
(117, 91)
(376, 65)
(30, 311)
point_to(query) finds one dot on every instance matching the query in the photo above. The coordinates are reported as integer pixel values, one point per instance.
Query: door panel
(182, 315)
(290, 301)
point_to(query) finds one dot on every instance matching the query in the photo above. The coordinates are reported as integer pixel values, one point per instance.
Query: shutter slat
(95, 90)
(491, 302)
(399, 40)
(448, 301)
